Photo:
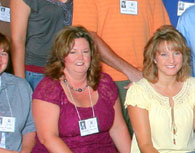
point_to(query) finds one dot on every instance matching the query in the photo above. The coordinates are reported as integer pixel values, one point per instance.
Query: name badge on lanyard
(7, 124)
(88, 126)
(129, 7)
(182, 6)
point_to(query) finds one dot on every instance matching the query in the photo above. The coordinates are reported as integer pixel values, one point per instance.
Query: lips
(80, 63)
(171, 66)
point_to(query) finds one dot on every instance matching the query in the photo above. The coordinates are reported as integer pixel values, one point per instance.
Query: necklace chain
(75, 102)
(76, 89)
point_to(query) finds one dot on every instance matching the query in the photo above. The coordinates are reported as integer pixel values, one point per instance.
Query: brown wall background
(5, 26)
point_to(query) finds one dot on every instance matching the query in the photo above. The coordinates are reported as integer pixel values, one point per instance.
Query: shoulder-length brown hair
(175, 41)
(5, 44)
(61, 48)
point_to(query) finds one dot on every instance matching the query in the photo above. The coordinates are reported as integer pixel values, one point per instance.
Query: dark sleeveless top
(46, 19)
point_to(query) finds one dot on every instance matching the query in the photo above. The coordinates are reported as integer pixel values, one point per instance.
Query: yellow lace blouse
(143, 95)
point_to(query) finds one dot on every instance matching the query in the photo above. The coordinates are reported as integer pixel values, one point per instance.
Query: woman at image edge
(161, 105)
(17, 130)
(74, 90)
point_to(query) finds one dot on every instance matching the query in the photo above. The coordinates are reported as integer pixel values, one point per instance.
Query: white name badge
(7, 124)
(88, 126)
(128, 7)
(4, 14)
(182, 6)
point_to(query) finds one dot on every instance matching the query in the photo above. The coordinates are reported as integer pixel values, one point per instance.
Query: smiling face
(167, 60)
(78, 60)
(3, 60)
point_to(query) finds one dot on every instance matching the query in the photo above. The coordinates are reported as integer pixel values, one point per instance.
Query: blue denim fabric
(33, 78)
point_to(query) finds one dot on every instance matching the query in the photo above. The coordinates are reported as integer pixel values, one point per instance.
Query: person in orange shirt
(121, 34)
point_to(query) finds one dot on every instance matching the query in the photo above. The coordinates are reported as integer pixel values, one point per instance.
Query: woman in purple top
(76, 107)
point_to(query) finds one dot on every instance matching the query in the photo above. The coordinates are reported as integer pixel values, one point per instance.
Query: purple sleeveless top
(51, 91)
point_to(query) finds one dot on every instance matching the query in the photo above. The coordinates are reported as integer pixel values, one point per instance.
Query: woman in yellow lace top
(161, 105)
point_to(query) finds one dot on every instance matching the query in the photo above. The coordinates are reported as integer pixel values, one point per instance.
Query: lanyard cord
(7, 99)
(0, 82)
(8, 103)
(6, 96)
(75, 103)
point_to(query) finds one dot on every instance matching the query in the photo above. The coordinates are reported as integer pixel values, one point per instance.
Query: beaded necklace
(76, 89)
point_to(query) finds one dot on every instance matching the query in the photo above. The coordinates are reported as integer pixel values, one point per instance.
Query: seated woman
(76, 107)
(17, 130)
(162, 104)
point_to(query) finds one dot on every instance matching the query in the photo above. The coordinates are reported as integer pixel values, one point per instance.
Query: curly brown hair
(61, 48)
(4, 43)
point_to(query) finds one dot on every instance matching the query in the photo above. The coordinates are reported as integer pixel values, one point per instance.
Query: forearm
(109, 57)
(18, 57)
(147, 149)
(119, 132)
(121, 139)
(28, 142)
(20, 12)
(55, 144)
